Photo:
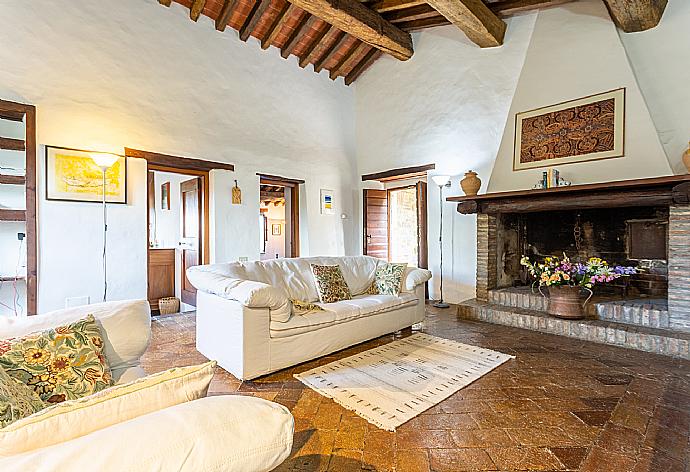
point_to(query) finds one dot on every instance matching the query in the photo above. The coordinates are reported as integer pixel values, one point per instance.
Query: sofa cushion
(330, 283)
(125, 326)
(341, 312)
(100, 410)
(61, 363)
(388, 279)
(17, 400)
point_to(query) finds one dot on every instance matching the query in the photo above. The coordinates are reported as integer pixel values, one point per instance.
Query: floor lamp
(104, 161)
(441, 181)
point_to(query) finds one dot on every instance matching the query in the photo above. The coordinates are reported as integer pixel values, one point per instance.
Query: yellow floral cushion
(17, 400)
(61, 363)
(388, 279)
(330, 283)
(304, 308)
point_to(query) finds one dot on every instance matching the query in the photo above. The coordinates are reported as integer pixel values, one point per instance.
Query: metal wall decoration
(580, 130)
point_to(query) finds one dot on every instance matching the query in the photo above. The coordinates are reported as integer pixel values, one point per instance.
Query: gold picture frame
(585, 129)
(72, 176)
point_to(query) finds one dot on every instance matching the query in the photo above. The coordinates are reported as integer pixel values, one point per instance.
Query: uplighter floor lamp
(441, 181)
(104, 161)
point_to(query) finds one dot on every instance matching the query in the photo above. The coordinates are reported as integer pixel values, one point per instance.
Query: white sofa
(245, 321)
(228, 433)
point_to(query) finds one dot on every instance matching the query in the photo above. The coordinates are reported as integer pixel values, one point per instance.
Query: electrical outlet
(243, 259)
(77, 301)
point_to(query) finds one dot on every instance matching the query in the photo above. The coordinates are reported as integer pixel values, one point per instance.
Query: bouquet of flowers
(561, 271)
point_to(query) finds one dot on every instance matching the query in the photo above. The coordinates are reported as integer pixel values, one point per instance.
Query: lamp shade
(440, 180)
(104, 160)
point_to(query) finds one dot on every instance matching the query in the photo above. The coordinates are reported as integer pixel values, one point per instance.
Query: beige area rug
(392, 384)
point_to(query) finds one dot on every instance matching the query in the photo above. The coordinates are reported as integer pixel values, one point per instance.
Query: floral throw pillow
(62, 363)
(330, 283)
(17, 400)
(388, 279)
(300, 308)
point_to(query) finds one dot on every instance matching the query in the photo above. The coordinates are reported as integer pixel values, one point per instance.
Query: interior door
(376, 223)
(190, 196)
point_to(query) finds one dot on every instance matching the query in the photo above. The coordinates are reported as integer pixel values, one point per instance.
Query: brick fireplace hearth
(642, 222)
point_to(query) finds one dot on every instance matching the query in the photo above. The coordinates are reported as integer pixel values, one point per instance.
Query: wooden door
(376, 223)
(190, 196)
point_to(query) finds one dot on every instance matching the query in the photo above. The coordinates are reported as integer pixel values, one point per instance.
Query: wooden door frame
(293, 186)
(14, 111)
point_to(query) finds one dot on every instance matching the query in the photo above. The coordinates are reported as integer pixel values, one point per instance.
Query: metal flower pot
(566, 302)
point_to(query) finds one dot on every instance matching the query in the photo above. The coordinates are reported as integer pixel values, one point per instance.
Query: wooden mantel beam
(636, 15)
(479, 23)
(361, 22)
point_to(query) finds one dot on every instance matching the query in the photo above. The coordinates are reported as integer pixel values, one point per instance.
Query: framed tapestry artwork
(72, 175)
(580, 130)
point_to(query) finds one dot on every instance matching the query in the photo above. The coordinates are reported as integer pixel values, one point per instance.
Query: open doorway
(395, 216)
(278, 217)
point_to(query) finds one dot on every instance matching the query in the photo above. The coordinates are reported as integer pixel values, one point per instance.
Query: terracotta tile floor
(562, 404)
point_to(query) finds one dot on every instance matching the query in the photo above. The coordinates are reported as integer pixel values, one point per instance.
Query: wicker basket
(168, 305)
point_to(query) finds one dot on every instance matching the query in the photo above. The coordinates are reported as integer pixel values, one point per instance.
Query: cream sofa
(245, 320)
(228, 433)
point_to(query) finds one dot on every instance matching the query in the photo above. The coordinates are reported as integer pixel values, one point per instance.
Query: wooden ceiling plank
(196, 9)
(473, 17)
(167, 3)
(636, 15)
(275, 26)
(257, 11)
(363, 65)
(416, 25)
(310, 52)
(224, 15)
(330, 51)
(348, 60)
(295, 36)
(511, 7)
(363, 23)
(409, 14)
(383, 6)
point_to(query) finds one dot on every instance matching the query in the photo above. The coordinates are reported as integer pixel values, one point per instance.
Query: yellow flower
(36, 355)
(566, 277)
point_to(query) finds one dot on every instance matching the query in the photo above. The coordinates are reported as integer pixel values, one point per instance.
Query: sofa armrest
(414, 277)
(229, 433)
(246, 292)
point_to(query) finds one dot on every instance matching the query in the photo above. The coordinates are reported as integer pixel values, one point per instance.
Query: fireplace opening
(635, 236)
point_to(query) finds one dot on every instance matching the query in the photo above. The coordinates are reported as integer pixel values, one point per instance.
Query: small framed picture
(72, 175)
(275, 230)
(327, 203)
(165, 196)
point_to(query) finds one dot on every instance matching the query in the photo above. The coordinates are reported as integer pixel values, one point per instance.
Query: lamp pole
(441, 181)
(104, 162)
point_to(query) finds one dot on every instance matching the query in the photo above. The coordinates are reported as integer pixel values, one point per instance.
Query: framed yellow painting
(72, 175)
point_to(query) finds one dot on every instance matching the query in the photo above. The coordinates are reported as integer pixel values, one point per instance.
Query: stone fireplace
(645, 223)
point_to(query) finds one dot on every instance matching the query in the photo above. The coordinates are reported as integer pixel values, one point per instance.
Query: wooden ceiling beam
(330, 51)
(167, 3)
(295, 36)
(348, 61)
(363, 23)
(409, 14)
(636, 15)
(362, 65)
(257, 11)
(196, 9)
(308, 55)
(383, 6)
(224, 15)
(473, 17)
(511, 7)
(275, 26)
(416, 25)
